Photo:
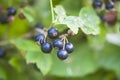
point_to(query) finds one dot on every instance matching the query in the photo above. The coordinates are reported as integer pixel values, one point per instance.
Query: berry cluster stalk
(52, 11)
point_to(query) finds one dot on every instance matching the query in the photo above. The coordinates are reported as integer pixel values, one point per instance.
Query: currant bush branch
(52, 11)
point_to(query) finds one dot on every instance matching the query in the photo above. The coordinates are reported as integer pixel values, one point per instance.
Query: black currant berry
(2, 52)
(69, 47)
(97, 4)
(62, 54)
(11, 11)
(102, 17)
(58, 43)
(111, 17)
(46, 47)
(39, 25)
(40, 38)
(52, 33)
(109, 5)
(3, 19)
(21, 16)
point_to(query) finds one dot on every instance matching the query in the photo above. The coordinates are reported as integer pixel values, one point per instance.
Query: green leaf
(56, 2)
(118, 7)
(43, 62)
(59, 10)
(34, 74)
(2, 73)
(72, 22)
(34, 55)
(79, 63)
(59, 17)
(25, 45)
(15, 62)
(29, 13)
(43, 13)
(17, 28)
(87, 20)
(97, 41)
(91, 21)
(109, 58)
(2, 30)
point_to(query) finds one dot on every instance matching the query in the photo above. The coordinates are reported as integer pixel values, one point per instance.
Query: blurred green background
(94, 57)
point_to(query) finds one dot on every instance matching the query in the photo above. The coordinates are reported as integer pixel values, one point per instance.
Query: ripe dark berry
(39, 25)
(52, 33)
(40, 38)
(3, 19)
(11, 11)
(62, 54)
(109, 5)
(69, 47)
(97, 4)
(111, 17)
(2, 52)
(46, 47)
(58, 43)
(102, 17)
(21, 16)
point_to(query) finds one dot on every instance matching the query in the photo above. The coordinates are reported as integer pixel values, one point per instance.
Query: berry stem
(46, 34)
(66, 39)
(52, 11)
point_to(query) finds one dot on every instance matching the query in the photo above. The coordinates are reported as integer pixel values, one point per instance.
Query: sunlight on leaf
(87, 20)
(91, 21)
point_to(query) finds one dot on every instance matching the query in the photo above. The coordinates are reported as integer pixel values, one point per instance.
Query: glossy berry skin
(11, 11)
(109, 5)
(62, 54)
(69, 47)
(3, 19)
(46, 47)
(2, 52)
(97, 4)
(52, 33)
(40, 38)
(58, 43)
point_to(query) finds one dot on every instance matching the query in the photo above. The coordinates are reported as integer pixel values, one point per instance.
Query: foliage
(97, 46)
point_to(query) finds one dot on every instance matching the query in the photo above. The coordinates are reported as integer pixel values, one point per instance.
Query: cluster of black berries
(107, 10)
(7, 15)
(61, 44)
